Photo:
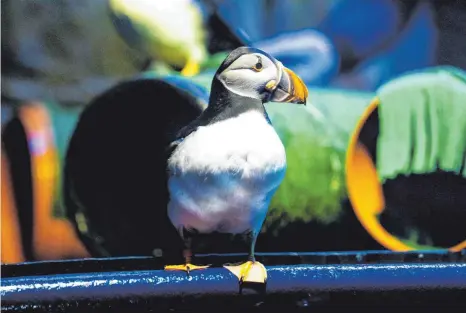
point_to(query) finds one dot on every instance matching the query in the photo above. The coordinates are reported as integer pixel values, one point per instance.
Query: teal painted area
(64, 120)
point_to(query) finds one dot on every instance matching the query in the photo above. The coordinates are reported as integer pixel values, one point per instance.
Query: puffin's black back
(115, 171)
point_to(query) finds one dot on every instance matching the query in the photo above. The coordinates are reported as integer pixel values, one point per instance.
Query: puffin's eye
(257, 67)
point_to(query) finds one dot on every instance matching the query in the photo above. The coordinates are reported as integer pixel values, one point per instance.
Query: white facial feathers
(243, 79)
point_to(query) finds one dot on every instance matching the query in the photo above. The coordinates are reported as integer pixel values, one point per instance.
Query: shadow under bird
(225, 166)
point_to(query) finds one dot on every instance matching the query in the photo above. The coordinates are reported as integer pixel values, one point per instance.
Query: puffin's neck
(224, 104)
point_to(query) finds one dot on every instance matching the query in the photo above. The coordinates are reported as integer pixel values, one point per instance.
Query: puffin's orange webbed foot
(185, 267)
(249, 272)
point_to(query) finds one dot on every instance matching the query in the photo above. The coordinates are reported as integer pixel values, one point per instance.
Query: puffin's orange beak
(290, 89)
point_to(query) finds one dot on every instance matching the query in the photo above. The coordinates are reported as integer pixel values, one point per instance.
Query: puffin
(225, 166)
(197, 178)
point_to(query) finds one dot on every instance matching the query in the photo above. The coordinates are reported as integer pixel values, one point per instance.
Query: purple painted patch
(38, 143)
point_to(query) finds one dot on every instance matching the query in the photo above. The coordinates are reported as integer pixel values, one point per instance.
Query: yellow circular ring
(365, 191)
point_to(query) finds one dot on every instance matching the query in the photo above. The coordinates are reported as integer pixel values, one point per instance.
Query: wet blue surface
(219, 281)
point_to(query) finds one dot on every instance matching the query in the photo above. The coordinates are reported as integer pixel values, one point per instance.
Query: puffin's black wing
(115, 177)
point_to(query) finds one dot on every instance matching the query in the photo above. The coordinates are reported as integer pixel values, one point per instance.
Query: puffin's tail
(115, 179)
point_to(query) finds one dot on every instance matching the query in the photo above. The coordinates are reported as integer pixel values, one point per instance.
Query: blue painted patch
(189, 87)
(201, 93)
(309, 53)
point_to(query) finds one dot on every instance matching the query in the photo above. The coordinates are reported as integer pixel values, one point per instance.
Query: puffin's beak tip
(291, 88)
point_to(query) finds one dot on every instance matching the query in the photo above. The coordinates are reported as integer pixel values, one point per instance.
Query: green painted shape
(416, 246)
(315, 139)
(422, 123)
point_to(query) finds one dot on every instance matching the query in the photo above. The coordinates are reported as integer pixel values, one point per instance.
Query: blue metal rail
(282, 279)
(97, 281)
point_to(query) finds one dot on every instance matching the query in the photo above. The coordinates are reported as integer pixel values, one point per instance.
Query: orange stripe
(458, 247)
(53, 238)
(12, 247)
(364, 190)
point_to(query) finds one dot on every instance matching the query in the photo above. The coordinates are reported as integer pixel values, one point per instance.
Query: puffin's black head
(253, 73)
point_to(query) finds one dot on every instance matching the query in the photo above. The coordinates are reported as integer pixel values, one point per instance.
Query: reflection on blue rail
(219, 281)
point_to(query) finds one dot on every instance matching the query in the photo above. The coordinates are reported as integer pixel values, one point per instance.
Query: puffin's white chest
(224, 175)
